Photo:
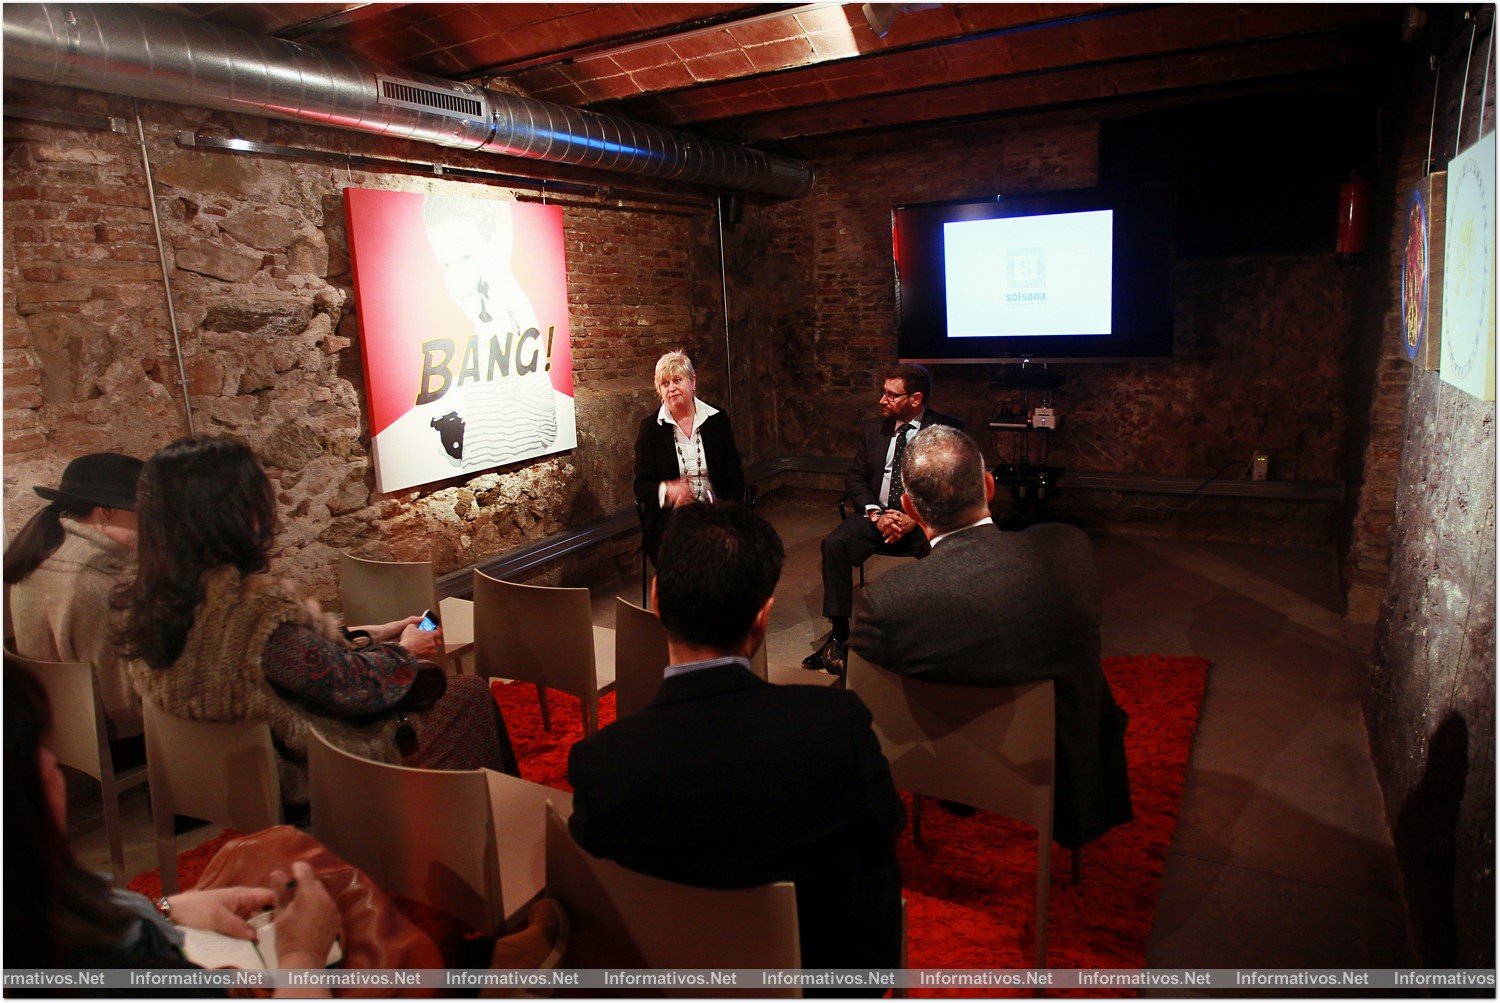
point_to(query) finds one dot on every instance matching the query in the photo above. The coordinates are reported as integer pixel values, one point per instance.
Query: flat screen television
(1059, 276)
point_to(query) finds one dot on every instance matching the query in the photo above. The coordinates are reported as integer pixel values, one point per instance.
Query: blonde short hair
(674, 363)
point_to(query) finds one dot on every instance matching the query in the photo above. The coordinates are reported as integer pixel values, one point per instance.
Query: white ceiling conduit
(154, 54)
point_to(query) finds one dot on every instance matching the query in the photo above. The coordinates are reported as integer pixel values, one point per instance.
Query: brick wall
(259, 266)
(1429, 690)
(1262, 344)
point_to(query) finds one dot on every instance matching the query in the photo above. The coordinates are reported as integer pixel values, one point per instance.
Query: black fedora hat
(106, 479)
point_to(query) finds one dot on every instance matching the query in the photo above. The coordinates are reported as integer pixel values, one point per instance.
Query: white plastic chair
(546, 636)
(990, 747)
(80, 739)
(466, 842)
(619, 918)
(222, 772)
(382, 591)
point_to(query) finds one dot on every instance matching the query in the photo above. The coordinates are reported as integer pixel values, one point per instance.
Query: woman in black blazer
(685, 451)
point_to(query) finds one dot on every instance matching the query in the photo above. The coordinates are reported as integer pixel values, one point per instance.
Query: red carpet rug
(970, 890)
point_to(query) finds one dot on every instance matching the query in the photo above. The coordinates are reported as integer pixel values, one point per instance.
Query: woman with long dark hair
(62, 567)
(58, 915)
(222, 640)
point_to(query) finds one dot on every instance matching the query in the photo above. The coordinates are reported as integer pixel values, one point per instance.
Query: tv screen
(1082, 275)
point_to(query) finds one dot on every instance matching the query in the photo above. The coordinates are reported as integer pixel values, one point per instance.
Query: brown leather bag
(373, 933)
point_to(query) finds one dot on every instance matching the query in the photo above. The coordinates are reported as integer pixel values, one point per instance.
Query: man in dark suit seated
(998, 609)
(873, 485)
(726, 781)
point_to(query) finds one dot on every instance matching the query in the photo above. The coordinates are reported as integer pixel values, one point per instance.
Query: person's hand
(679, 492)
(223, 910)
(383, 632)
(874, 515)
(895, 527)
(425, 644)
(307, 921)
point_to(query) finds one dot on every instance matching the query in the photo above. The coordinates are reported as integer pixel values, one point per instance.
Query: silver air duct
(148, 53)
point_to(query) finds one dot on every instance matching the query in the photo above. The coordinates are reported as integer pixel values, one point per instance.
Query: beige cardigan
(61, 613)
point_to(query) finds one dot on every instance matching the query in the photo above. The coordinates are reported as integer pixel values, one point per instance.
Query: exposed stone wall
(1262, 344)
(259, 266)
(1430, 688)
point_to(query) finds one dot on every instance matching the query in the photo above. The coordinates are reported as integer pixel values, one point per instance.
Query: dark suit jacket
(656, 461)
(1014, 608)
(873, 438)
(726, 781)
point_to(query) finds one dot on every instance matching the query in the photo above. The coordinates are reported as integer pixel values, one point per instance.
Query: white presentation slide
(1029, 275)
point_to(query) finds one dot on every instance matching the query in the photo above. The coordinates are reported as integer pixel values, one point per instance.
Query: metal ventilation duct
(149, 53)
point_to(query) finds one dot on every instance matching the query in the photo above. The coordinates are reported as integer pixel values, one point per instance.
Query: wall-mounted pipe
(149, 53)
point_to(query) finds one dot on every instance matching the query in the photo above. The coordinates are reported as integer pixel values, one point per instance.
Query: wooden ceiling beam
(710, 106)
(1126, 78)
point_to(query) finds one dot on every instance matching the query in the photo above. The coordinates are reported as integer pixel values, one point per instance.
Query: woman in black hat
(62, 568)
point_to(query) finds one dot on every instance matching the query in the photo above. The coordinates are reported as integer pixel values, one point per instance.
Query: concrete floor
(1281, 858)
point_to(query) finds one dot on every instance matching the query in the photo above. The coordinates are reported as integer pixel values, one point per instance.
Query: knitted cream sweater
(218, 676)
(62, 614)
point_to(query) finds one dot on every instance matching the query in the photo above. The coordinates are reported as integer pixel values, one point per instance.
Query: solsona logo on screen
(525, 350)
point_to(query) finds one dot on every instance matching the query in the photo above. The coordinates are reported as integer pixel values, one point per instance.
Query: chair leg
(1043, 879)
(916, 819)
(541, 699)
(111, 797)
(1077, 854)
(166, 852)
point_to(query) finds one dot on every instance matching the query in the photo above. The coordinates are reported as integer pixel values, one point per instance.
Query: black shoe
(831, 658)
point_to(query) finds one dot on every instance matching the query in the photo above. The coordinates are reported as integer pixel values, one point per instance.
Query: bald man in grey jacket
(987, 608)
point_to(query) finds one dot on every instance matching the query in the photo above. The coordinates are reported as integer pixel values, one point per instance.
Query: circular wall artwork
(1415, 274)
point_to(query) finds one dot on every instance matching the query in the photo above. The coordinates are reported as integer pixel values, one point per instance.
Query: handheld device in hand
(429, 621)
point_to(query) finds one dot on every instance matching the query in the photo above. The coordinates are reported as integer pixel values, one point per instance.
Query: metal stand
(1022, 438)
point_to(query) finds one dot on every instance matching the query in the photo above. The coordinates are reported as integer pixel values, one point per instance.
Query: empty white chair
(546, 636)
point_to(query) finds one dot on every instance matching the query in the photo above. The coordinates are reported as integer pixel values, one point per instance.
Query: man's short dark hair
(717, 566)
(914, 378)
(943, 471)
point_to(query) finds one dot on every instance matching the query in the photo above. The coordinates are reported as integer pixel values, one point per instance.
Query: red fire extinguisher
(1354, 217)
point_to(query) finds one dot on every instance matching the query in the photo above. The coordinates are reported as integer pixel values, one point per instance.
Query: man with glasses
(873, 485)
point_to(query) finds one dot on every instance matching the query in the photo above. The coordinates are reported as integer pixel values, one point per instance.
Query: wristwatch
(164, 907)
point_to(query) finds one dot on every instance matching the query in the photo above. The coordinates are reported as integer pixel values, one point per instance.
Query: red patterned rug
(970, 890)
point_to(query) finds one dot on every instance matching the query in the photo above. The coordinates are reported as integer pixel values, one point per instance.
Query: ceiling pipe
(149, 53)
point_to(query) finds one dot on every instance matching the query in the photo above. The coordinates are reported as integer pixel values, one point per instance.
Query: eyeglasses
(886, 395)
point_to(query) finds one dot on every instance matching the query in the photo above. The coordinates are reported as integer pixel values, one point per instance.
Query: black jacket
(873, 440)
(656, 461)
(726, 781)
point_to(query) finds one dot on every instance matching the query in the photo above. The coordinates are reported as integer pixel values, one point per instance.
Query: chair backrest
(619, 918)
(518, 811)
(641, 655)
(221, 771)
(79, 736)
(534, 634)
(424, 834)
(382, 591)
(991, 747)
